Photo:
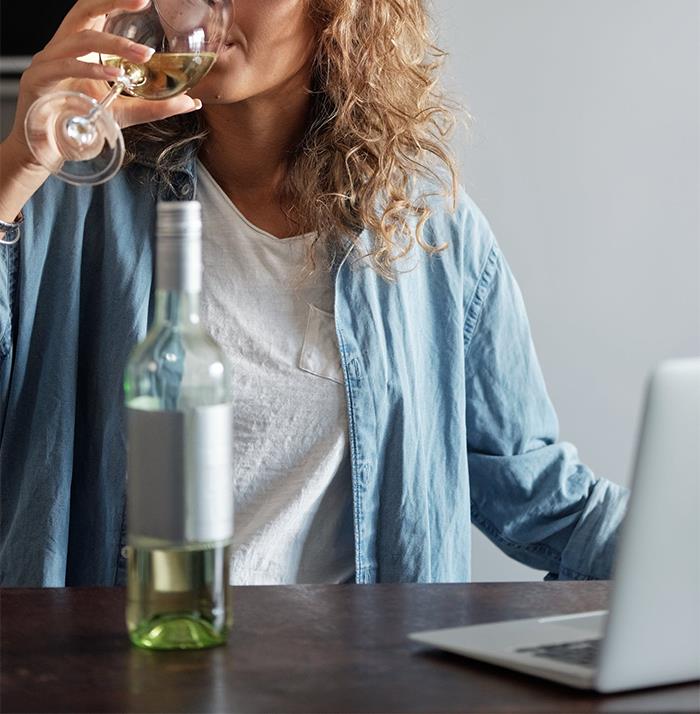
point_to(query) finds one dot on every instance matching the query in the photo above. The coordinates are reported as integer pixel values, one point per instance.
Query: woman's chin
(216, 96)
(212, 90)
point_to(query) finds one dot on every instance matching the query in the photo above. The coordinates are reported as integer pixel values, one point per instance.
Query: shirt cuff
(590, 552)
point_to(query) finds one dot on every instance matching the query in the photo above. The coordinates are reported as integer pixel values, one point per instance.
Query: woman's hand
(57, 68)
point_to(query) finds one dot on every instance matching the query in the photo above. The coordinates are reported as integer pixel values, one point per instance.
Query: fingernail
(144, 51)
(196, 106)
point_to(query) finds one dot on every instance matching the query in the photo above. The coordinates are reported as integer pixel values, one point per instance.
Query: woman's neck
(248, 144)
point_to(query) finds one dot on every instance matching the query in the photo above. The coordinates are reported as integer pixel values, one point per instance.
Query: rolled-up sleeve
(530, 493)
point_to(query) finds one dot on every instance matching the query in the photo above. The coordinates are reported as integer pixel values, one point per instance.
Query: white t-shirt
(292, 494)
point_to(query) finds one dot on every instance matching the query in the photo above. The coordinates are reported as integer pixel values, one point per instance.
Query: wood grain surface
(294, 649)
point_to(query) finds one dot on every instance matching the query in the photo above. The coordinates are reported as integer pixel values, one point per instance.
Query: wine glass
(76, 137)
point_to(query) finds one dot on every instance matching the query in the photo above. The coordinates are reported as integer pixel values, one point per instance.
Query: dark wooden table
(304, 648)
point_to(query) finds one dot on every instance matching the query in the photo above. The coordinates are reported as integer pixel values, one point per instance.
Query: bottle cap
(179, 246)
(179, 219)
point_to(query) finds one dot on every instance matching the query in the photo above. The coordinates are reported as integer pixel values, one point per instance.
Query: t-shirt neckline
(202, 168)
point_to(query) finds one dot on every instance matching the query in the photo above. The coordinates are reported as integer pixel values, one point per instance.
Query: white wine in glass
(165, 75)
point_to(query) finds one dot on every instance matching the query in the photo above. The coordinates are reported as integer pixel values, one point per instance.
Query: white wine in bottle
(179, 478)
(165, 75)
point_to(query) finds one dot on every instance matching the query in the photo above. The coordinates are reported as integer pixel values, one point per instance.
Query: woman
(386, 385)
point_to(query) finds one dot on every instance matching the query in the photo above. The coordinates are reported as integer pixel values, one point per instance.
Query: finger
(85, 12)
(84, 42)
(47, 74)
(140, 111)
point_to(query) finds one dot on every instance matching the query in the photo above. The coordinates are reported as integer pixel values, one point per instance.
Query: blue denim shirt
(449, 418)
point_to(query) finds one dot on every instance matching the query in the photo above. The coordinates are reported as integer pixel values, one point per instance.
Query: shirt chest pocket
(319, 353)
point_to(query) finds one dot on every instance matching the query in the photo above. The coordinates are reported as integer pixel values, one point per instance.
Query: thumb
(141, 110)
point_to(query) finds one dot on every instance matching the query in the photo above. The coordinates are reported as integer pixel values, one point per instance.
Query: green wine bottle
(179, 474)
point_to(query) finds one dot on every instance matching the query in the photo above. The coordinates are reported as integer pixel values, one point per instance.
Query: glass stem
(81, 131)
(119, 86)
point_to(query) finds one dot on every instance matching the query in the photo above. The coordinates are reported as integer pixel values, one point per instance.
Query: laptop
(651, 633)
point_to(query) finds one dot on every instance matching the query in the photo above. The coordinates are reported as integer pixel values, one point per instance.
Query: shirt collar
(184, 185)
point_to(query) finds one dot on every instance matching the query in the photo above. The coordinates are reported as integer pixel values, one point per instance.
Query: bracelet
(11, 230)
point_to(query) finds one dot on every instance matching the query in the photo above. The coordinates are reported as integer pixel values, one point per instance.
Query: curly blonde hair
(379, 122)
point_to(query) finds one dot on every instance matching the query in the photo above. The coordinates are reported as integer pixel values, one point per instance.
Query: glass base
(72, 136)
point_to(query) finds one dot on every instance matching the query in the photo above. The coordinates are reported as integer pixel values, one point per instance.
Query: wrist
(20, 177)
(18, 158)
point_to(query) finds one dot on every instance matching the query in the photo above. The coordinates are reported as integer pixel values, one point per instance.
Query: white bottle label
(180, 476)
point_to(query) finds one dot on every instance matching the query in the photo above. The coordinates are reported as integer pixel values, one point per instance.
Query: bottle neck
(177, 308)
(179, 263)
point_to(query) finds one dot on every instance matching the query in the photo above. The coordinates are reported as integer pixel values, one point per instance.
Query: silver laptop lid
(653, 633)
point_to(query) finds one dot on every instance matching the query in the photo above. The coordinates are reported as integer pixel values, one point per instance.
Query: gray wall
(584, 154)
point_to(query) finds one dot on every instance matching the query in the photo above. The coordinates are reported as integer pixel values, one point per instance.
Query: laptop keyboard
(584, 652)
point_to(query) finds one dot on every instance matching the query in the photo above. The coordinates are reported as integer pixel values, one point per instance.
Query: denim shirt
(449, 418)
